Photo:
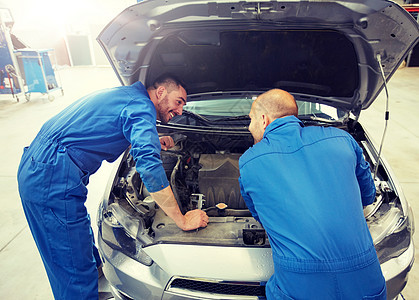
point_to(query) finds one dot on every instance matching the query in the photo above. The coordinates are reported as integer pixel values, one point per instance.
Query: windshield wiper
(243, 117)
(319, 119)
(195, 115)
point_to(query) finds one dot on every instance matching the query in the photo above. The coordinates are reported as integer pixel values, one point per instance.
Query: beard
(256, 140)
(257, 134)
(163, 110)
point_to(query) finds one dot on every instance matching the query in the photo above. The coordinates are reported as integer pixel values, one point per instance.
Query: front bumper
(396, 271)
(130, 279)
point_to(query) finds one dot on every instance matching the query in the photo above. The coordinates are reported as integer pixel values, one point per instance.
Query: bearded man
(55, 169)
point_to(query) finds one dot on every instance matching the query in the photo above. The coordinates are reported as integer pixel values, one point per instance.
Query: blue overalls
(307, 186)
(55, 170)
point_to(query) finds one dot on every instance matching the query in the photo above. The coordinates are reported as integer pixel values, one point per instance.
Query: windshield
(239, 108)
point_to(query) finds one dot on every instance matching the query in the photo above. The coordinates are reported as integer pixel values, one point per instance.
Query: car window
(221, 107)
(214, 109)
(317, 111)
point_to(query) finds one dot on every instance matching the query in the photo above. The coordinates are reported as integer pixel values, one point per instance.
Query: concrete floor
(22, 274)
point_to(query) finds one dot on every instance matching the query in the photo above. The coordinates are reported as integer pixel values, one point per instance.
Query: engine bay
(203, 171)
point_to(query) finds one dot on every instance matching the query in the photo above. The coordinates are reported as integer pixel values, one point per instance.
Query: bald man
(307, 187)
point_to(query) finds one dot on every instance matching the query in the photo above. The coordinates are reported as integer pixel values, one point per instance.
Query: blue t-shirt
(307, 187)
(100, 126)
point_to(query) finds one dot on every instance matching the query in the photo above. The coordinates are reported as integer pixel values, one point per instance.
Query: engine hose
(173, 182)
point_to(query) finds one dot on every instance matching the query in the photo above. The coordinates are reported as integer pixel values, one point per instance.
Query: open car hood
(321, 51)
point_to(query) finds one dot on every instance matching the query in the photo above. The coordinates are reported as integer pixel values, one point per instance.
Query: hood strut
(386, 117)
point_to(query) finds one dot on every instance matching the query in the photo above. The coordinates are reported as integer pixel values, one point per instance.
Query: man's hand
(194, 219)
(191, 220)
(166, 142)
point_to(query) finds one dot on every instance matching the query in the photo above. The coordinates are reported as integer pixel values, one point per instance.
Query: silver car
(333, 56)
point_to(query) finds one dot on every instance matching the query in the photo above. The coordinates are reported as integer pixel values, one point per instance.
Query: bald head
(267, 107)
(277, 104)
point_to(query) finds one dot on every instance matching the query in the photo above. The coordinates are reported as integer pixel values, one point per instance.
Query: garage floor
(22, 274)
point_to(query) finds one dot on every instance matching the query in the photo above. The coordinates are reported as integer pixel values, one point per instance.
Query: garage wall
(70, 28)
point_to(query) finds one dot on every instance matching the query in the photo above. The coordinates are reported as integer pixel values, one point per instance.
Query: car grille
(240, 289)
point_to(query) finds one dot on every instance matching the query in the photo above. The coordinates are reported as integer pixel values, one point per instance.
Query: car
(334, 57)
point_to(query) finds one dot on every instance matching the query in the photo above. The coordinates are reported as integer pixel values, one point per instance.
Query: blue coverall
(55, 170)
(307, 187)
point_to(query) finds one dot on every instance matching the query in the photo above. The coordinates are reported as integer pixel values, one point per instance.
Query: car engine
(203, 170)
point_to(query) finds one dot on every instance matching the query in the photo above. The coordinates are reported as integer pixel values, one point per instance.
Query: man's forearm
(167, 202)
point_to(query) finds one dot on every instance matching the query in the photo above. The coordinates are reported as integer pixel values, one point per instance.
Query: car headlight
(391, 230)
(122, 232)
